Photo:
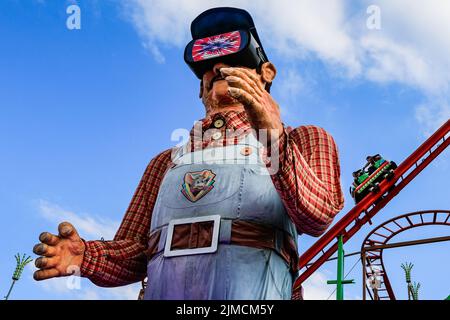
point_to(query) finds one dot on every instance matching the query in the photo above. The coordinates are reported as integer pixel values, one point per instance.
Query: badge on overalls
(197, 184)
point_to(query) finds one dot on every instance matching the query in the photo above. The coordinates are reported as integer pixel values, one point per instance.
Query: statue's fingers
(46, 263)
(251, 77)
(254, 77)
(43, 249)
(237, 82)
(246, 75)
(68, 231)
(245, 98)
(46, 274)
(48, 238)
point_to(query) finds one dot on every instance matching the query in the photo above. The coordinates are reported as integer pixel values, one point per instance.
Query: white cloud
(129, 292)
(161, 23)
(74, 287)
(55, 285)
(291, 85)
(411, 48)
(305, 28)
(92, 227)
(432, 116)
(316, 287)
(300, 27)
(63, 288)
(291, 90)
(392, 62)
(87, 225)
(90, 294)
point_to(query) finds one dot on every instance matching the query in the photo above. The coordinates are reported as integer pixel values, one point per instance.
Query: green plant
(407, 268)
(415, 290)
(21, 262)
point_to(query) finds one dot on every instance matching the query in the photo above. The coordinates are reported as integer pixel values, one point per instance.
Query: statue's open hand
(247, 87)
(60, 255)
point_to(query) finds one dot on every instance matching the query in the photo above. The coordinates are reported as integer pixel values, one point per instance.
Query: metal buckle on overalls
(168, 252)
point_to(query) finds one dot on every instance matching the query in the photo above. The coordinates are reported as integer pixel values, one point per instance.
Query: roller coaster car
(367, 179)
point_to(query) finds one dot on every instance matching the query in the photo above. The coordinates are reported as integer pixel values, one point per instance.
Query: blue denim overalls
(241, 188)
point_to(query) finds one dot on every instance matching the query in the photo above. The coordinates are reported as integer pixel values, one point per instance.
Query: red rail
(372, 203)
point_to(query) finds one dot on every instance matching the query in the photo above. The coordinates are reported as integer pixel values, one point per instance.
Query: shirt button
(217, 135)
(246, 151)
(219, 123)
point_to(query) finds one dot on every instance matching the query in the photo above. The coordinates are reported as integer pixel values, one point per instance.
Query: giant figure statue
(219, 217)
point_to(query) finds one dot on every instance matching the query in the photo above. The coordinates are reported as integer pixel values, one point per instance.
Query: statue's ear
(200, 95)
(268, 72)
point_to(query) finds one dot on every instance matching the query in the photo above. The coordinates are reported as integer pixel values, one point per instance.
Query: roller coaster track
(381, 235)
(368, 207)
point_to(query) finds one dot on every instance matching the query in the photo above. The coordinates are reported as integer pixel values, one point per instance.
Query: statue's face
(214, 88)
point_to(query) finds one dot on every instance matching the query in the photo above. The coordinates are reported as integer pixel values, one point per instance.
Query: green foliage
(415, 290)
(21, 262)
(407, 266)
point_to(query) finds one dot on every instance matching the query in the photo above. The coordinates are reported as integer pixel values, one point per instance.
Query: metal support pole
(339, 282)
(340, 270)
(364, 273)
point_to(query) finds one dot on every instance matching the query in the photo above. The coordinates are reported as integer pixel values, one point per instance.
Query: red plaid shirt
(308, 181)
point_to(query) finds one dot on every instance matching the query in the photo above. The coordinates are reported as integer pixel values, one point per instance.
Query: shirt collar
(234, 120)
(236, 125)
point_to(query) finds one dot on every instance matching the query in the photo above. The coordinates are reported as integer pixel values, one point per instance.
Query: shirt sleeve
(308, 178)
(123, 261)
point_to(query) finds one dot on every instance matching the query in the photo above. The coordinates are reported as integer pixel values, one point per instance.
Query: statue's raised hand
(61, 255)
(247, 86)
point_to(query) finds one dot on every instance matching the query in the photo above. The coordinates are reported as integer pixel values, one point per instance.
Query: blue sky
(82, 112)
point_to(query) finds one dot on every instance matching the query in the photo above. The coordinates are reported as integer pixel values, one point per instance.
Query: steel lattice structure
(376, 241)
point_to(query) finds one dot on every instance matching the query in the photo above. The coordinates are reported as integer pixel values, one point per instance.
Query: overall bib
(236, 187)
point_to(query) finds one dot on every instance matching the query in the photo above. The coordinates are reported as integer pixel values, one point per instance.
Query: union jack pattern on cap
(216, 46)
